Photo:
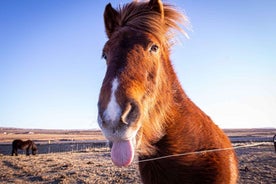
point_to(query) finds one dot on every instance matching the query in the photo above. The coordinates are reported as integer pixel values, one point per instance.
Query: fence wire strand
(200, 152)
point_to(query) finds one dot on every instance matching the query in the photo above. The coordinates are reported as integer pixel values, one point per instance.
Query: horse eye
(104, 56)
(154, 48)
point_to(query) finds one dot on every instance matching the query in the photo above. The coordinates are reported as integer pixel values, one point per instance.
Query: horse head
(133, 95)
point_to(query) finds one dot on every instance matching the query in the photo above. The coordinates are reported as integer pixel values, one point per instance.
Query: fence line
(199, 152)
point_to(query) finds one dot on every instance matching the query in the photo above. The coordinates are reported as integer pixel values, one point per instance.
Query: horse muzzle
(117, 123)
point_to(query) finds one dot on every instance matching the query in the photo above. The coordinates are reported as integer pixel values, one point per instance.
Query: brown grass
(92, 166)
(257, 165)
(9, 134)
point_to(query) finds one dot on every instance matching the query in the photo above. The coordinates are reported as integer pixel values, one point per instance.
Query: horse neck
(171, 94)
(179, 120)
(165, 109)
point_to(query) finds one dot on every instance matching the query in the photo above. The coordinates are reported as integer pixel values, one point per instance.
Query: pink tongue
(122, 153)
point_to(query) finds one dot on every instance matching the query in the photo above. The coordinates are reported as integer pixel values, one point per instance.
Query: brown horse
(23, 145)
(143, 108)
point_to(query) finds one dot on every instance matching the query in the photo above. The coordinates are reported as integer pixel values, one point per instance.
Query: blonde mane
(138, 16)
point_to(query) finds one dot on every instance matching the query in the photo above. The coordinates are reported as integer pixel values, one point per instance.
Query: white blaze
(113, 110)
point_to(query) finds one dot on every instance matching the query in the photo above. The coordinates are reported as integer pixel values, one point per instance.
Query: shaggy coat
(23, 145)
(143, 108)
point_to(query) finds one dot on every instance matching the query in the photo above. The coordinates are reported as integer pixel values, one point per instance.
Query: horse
(23, 145)
(143, 109)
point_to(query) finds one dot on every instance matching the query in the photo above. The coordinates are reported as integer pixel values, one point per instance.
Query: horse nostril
(125, 114)
(130, 113)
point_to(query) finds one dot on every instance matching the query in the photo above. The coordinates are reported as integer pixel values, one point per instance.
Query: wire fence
(84, 146)
(62, 146)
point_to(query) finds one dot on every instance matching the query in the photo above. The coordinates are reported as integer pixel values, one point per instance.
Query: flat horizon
(98, 129)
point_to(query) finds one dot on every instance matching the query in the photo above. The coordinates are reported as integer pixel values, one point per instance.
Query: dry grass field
(7, 135)
(257, 164)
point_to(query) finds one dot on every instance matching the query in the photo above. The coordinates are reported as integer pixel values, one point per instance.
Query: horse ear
(110, 20)
(157, 6)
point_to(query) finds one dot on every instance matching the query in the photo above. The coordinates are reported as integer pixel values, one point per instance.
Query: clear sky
(51, 68)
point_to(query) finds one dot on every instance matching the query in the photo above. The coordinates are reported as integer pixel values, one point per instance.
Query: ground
(257, 164)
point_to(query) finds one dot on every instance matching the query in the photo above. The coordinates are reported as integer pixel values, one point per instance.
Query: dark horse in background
(143, 108)
(23, 145)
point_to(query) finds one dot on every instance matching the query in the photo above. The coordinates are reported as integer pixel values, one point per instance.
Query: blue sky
(51, 68)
